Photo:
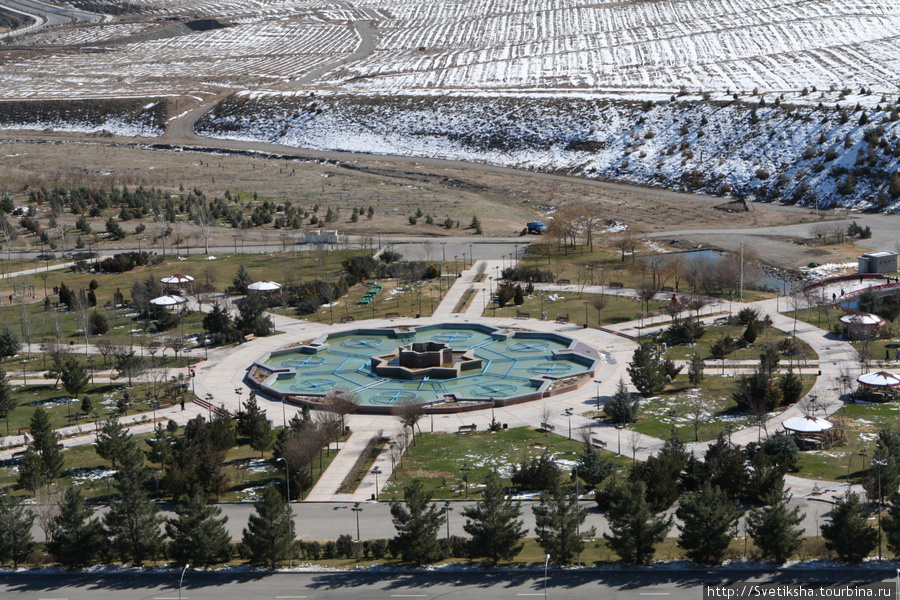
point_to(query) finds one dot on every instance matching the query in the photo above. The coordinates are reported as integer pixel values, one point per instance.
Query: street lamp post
(465, 471)
(546, 564)
(91, 367)
(209, 401)
(568, 413)
(24, 373)
(448, 509)
(619, 427)
(376, 471)
(597, 381)
(180, 581)
(585, 313)
(357, 509)
(879, 464)
(287, 483)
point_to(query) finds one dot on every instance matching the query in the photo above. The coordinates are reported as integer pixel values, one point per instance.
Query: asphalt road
(55, 15)
(469, 584)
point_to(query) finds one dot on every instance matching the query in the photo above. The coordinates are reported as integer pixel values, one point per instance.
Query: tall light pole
(180, 581)
(357, 509)
(448, 509)
(24, 373)
(209, 401)
(376, 471)
(568, 413)
(465, 471)
(879, 464)
(287, 482)
(577, 507)
(597, 381)
(546, 564)
(585, 313)
(619, 427)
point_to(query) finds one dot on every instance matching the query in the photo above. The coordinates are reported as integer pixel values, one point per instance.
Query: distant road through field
(52, 15)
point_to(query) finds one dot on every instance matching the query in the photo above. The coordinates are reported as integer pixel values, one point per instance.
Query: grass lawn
(103, 397)
(673, 407)
(770, 336)
(863, 423)
(248, 474)
(619, 309)
(438, 458)
(407, 299)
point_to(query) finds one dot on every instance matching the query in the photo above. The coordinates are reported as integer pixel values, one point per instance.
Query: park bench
(467, 428)
(24, 430)
(667, 288)
(563, 281)
(721, 321)
(548, 427)
(166, 404)
(522, 315)
(598, 442)
(348, 319)
(616, 284)
(249, 337)
(562, 319)
(392, 315)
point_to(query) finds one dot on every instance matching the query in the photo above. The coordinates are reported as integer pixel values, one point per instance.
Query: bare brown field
(501, 198)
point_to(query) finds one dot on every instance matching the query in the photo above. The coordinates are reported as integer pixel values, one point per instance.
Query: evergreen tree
(9, 343)
(592, 466)
(132, 522)
(647, 371)
(113, 440)
(417, 525)
(31, 471)
(267, 535)
(198, 537)
(709, 522)
(695, 370)
(77, 539)
(622, 408)
(251, 315)
(45, 443)
(262, 437)
(74, 376)
(557, 519)
(241, 280)
(775, 528)
(635, 531)
(16, 543)
(8, 400)
(849, 533)
(494, 524)
(890, 524)
(726, 467)
(791, 387)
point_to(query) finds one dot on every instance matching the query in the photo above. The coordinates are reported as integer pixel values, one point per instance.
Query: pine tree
(791, 387)
(494, 524)
(74, 376)
(557, 519)
(622, 408)
(775, 527)
(890, 524)
(241, 280)
(77, 539)
(16, 543)
(849, 533)
(635, 530)
(112, 440)
(132, 523)
(417, 525)
(593, 467)
(709, 522)
(695, 370)
(262, 437)
(646, 371)
(267, 535)
(198, 537)
(8, 400)
(45, 443)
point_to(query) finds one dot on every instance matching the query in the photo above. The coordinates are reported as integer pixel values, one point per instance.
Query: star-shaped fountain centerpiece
(421, 360)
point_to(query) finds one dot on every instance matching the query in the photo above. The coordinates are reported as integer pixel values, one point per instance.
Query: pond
(712, 258)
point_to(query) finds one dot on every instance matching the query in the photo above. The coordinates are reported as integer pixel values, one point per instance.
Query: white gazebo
(177, 279)
(809, 431)
(861, 326)
(168, 301)
(264, 286)
(879, 385)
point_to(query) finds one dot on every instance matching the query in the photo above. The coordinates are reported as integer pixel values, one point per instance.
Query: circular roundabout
(428, 364)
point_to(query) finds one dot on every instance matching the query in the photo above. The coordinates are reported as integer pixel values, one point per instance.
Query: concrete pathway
(326, 489)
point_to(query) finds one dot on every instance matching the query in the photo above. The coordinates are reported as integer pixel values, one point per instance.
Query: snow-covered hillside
(833, 157)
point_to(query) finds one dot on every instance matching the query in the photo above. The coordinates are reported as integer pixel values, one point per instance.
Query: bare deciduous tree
(409, 413)
(341, 402)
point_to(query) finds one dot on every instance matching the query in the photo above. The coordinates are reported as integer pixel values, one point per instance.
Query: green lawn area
(674, 407)
(862, 425)
(770, 336)
(247, 472)
(62, 413)
(619, 309)
(407, 299)
(438, 458)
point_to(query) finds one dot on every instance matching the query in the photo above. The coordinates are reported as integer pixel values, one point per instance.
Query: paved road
(50, 14)
(571, 584)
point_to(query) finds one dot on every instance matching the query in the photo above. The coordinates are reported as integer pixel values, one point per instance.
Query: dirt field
(503, 199)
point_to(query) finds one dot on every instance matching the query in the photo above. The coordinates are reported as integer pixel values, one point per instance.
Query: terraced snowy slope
(489, 45)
